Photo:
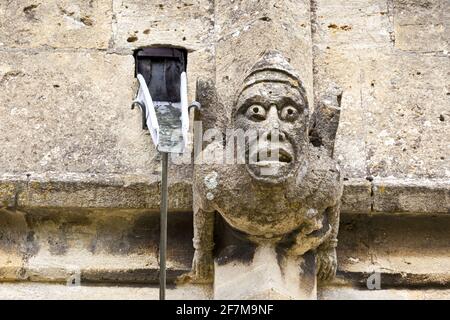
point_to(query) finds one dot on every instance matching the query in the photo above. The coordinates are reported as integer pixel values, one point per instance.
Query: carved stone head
(272, 102)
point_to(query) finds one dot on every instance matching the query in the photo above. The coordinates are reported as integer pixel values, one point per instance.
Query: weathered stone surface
(357, 197)
(84, 136)
(350, 144)
(100, 192)
(200, 65)
(373, 138)
(292, 200)
(351, 293)
(125, 243)
(247, 28)
(44, 291)
(140, 23)
(55, 23)
(13, 244)
(96, 246)
(189, 25)
(8, 194)
(186, 24)
(63, 117)
(136, 192)
(351, 25)
(73, 121)
(364, 141)
(338, 29)
(412, 196)
(263, 278)
(68, 138)
(421, 25)
(413, 92)
(393, 120)
(423, 38)
(404, 250)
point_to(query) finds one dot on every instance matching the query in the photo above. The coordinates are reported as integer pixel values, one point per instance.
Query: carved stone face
(278, 112)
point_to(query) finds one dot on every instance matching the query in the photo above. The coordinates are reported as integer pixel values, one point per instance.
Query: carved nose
(274, 125)
(272, 117)
(272, 113)
(274, 133)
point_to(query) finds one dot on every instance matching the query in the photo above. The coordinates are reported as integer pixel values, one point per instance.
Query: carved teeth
(283, 157)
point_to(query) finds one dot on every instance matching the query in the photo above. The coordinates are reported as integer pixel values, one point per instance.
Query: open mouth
(273, 157)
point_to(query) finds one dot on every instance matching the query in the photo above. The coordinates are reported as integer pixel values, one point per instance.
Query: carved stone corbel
(288, 204)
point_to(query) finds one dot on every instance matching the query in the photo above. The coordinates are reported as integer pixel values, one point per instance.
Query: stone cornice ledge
(118, 191)
(98, 191)
(396, 195)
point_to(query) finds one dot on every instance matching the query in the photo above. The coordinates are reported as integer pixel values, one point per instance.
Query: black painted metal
(161, 69)
(163, 226)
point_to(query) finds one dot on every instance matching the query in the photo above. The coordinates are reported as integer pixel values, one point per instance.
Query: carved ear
(325, 120)
(207, 97)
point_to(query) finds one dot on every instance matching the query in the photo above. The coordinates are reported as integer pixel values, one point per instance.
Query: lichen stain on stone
(336, 27)
(211, 180)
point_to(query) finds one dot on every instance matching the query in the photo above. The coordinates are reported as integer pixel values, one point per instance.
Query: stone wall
(69, 138)
(67, 80)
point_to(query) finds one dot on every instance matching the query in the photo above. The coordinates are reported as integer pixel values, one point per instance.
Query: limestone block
(419, 11)
(423, 38)
(413, 196)
(421, 25)
(13, 244)
(351, 293)
(342, 32)
(365, 144)
(350, 25)
(357, 196)
(93, 245)
(60, 114)
(141, 23)
(46, 291)
(407, 117)
(265, 278)
(406, 250)
(55, 23)
(350, 146)
(102, 191)
(74, 135)
(8, 192)
(382, 90)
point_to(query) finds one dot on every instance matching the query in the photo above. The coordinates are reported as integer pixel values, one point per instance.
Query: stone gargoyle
(293, 201)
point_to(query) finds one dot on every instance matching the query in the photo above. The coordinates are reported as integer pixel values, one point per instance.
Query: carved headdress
(273, 67)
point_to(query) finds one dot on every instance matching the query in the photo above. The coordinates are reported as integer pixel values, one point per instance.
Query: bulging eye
(256, 112)
(289, 113)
